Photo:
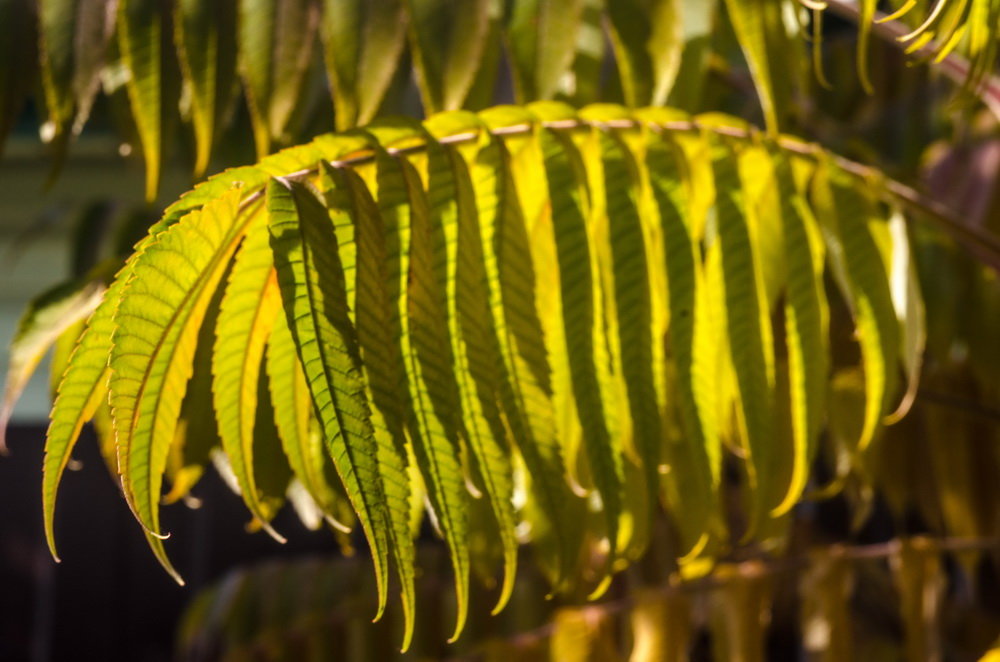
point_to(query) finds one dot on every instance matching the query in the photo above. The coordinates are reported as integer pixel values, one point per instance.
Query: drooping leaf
(84, 385)
(760, 29)
(205, 38)
(311, 279)
(144, 41)
(82, 389)
(806, 325)
(866, 16)
(558, 222)
(908, 303)
(156, 326)
(293, 416)
(363, 42)
(696, 457)
(275, 52)
(737, 271)
(272, 474)
(73, 39)
(849, 223)
(525, 391)
(648, 38)
(46, 318)
(416, 321)
(541, 41)
(434, 393)
(248, 310)
(448, 46)
(363, 248)
(197, 433)
(458, 246)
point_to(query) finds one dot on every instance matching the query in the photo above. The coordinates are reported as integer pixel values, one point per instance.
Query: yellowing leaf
(249, 307)
(363, 41)
(311, 279)
(156, 328)
(47, 316)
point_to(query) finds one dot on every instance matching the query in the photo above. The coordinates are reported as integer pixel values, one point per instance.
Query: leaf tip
(271, 532)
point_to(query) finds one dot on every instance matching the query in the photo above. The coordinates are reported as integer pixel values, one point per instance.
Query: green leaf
(70, 33)
(205, 38)
(271, 471)
(850, 222)
(760, 29)
(461, 278)
(93, 30)
(590, 322)
(448, 45)
(696, 457)
(361, 238)
(84, 385)
(551, 185)
(156, 328)
(197, 434)
(433, 391)
(62, 349)
(648, 40)
(82, 389)
(866, 16)
(46, 318)
(275, 53)
(416, 322)
(541, 41)
(143, 33)
(293, 416)
(249, 308)
(311, 279)
(633, 306)
(697, 19)
(748, 327)
(525, 389)
(363, 41)
(806, 325)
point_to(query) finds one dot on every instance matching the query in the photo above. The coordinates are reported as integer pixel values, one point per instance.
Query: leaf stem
(985, 246)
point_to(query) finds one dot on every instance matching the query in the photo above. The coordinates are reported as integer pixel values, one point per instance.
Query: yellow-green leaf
(45, 319)
(648, 40)
(156, 328)
(205, 38)
(541, 41)
(143, 29)
(311, 279)
(249, 307)
(275, 52)
(448, 45)
(363, 41)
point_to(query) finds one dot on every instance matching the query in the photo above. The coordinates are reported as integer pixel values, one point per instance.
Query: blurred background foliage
(900, 562)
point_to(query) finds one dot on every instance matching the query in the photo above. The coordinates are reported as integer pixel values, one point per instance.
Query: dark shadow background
(109, 599)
